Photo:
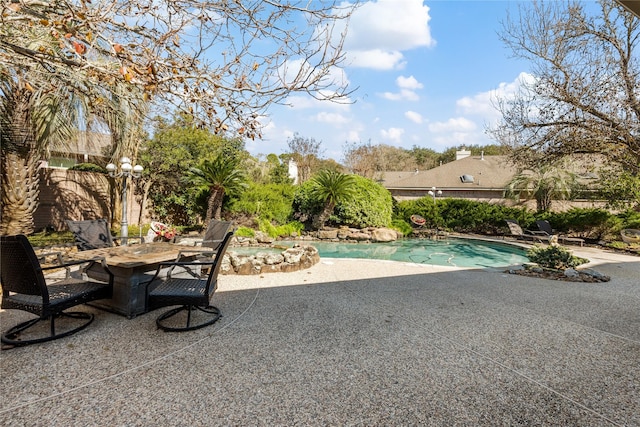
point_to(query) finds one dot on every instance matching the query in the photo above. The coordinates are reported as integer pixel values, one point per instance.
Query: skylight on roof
(466, 179)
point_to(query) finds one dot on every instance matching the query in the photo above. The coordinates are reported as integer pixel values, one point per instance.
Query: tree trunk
(320, 219)
(20, 189)
(220, 197)
(211, 205)
(19, 164)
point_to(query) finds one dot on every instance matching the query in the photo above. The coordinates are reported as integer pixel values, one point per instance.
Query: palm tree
(30, 121)
(330, 187)
(218, 176)
(547, 183)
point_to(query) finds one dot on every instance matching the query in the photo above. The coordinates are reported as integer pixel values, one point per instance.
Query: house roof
(482, 173)
(488, 172)
(631, 5)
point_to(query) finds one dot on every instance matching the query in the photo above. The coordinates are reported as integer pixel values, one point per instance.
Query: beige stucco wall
(75, 195)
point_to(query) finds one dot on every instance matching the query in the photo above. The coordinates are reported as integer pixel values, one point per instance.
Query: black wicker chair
(191, 293)
(93, 234)
(204, 250)
(209, 245)
(520, 234)
(25, 288)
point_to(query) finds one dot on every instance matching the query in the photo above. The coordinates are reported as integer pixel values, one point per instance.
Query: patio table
(131, 266)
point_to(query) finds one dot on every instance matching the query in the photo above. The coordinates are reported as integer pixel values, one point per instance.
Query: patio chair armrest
(173, 264)
(201, 242)
(69, 263)
(184, 252)
(185, 263)
(60, 261)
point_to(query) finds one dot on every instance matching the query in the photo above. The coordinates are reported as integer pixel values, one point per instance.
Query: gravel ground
(353, 342)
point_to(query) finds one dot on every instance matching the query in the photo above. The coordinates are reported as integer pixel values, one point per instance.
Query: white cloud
(407, 86)
(385, 24)
(273, 138)
(455, 139)
(377, 59)
(331, 118)
(459, 124)
(413, 116)
(482, 104)
(380, 30)
(455, 131)
(392, 134)
(409, 83)
(353, 136)
(403, 95)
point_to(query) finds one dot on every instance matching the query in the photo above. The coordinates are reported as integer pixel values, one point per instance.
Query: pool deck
(353, 342)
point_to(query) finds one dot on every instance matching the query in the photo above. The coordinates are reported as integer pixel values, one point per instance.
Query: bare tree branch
(585, 95)
(224, 62)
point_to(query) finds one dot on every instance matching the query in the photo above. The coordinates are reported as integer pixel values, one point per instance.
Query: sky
(424, 72)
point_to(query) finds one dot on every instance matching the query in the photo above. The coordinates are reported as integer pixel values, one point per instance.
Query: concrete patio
(352, 342)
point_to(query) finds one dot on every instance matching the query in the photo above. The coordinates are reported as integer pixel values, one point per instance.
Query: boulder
(359, 236)
(327, 234)
(293, 255)
(264, 238)
(384, 235)
(272, 259)
(570, 272)
(343, 233)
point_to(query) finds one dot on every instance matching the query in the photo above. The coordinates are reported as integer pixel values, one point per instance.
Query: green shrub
(245, 232)
(401, 226)
(45, 238)
(289, 229)
(269, 201)
(464, 216)
(554, 256)
(593, 223)
(266, 227)
(88, 167)
(284, 230)
(139, 230)
(372, 205)
(629, 219)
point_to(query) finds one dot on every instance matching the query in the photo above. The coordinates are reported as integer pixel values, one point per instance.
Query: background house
(470, 177)
(480, 178)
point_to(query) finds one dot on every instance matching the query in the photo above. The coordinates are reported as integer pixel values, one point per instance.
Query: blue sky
(426, 72)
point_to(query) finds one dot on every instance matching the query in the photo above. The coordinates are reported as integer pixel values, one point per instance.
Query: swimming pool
(454, 252)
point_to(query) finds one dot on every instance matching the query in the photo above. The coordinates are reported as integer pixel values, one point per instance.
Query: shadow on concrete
(458, 347)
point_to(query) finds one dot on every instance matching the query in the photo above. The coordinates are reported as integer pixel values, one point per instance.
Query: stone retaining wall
(299, 257)
(292, 259)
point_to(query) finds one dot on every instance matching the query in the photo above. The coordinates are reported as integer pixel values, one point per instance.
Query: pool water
(448, 252)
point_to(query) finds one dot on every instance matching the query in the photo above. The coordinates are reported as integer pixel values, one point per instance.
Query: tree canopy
(583, 94)
(222, 62)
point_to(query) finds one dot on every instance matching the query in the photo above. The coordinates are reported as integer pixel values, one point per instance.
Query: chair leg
(11, 337)
(211, 310)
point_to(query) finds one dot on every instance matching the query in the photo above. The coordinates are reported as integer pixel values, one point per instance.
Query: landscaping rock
(588, 276)
(272, 259)
(570, 272)
(292, 259)
(384, 235)
(359, 236)
(327, 234)
(264, 238)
